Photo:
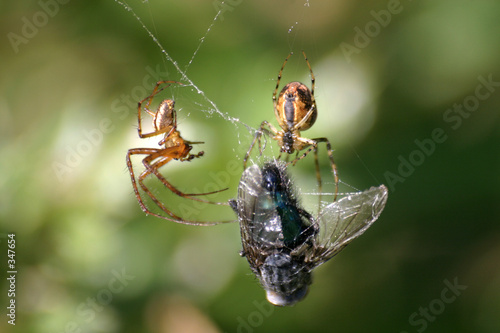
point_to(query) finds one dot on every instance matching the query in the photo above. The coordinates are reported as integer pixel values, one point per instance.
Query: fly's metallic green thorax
(294, 223)
(282, 242)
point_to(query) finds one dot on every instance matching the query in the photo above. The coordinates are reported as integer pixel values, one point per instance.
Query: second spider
(295, 109)
(174, 148)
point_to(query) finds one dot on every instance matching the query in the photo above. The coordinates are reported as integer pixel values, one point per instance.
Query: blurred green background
(403, 95)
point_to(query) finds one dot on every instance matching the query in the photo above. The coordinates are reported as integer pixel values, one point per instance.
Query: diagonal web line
(184, 76)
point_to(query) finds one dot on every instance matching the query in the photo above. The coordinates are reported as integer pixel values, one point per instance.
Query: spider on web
(295, 109)
(174, 148)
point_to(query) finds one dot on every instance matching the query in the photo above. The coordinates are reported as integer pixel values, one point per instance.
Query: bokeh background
(389, 74)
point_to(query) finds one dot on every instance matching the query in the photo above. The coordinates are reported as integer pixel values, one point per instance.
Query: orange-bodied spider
(174, 148)
(295, 109)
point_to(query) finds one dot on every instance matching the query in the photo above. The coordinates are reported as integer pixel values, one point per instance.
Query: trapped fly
(282, 242)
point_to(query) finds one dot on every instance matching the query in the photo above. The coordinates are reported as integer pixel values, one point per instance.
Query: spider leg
(309, 113)
(313, 146)
(171, 216)
(172, 127)
(148, 101)
(149, 152)
(153, 94)
(271, 131)
(165, 156)
(154, 133)
(190, 222)
(140, 151)
(313, 106)
(332, 164)
(318, 177)
(279, 156)
(277, 86)
(313, 79)
(170, 130)
(313, 143)
(157, 157)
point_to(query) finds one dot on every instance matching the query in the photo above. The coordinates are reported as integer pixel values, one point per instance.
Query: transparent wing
(259, 220)
(249, 190)
(345, 220)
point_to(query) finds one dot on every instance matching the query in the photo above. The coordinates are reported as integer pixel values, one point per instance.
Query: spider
(295, 109)
(174, 148)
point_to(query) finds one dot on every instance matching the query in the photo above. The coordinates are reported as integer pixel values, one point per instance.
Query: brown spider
(295, 109)
(175, 148)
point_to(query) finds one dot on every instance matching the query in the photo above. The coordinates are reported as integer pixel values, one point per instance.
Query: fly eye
(268, 182)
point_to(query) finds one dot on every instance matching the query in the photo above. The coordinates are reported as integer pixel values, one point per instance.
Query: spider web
(181, 71)
(209, 107)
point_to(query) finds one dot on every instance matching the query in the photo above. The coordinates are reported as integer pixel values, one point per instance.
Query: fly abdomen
(285, 280)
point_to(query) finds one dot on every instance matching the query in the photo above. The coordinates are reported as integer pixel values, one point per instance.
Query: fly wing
(249, 190)
(259, 220)
(345, 220)
(254, 207)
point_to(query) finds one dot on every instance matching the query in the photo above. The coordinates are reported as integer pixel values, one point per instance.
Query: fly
(282, 242)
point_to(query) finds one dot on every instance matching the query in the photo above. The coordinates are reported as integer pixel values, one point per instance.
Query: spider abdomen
(294, 103)
(164, 117)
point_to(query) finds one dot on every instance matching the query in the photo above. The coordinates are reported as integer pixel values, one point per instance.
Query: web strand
(213, 107)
